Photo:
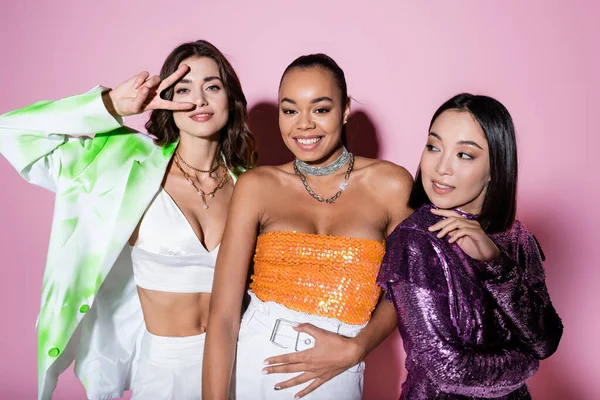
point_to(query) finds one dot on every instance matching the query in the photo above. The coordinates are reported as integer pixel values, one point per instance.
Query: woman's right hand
(141, 93)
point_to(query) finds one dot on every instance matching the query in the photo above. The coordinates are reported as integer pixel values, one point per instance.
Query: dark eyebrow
(465, 142)
(320, 99)
(313, 101)
(470, 143)
(207, 79)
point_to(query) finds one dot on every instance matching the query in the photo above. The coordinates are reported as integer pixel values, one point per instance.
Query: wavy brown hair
(236, 141)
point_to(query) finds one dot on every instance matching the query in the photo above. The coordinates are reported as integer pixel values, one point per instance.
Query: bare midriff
(174, 314)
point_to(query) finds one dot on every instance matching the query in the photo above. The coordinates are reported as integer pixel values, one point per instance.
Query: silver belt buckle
(273, 338)
(302, 341)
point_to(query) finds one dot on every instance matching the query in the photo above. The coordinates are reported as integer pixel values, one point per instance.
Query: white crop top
(168, 255)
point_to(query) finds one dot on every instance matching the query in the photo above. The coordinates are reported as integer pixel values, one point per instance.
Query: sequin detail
(471, 329)
(329, 276)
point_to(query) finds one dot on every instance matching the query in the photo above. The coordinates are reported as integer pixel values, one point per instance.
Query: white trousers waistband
(266, 331)
(169, 368)
(172, 350)
(277, 322)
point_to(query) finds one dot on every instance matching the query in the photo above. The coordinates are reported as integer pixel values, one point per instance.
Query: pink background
(402, 60)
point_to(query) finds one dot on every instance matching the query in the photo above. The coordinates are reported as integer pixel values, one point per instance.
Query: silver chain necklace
(343, 185)
(325, 170)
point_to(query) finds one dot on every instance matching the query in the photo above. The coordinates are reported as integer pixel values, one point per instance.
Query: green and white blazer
(104, 176)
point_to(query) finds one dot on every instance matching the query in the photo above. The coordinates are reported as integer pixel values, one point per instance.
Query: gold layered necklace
(190, 180)
(205, 171)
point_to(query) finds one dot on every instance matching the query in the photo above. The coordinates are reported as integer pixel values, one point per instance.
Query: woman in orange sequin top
(316, 227)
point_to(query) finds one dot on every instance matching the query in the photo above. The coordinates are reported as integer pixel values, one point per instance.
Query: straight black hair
(500, 202)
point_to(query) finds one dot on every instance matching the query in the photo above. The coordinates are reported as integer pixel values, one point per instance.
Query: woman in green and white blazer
(90, 308)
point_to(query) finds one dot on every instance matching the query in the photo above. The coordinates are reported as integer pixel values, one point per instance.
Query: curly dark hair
(236, 141)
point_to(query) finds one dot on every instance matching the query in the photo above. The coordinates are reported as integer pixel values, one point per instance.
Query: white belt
(281, 331)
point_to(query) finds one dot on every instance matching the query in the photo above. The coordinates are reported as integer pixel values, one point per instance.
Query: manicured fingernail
(266, 362)
(295, 324)
(265, 372)
(144, 90)
(277, 388)
(296, 397)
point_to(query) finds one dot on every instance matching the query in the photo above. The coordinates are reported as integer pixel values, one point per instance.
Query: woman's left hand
(331, 355)
(467, 233)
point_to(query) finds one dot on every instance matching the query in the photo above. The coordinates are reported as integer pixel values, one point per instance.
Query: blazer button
(84, 308)
(54, 352)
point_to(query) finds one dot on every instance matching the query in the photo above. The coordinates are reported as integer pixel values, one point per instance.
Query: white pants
(265, 332)
(169, 368)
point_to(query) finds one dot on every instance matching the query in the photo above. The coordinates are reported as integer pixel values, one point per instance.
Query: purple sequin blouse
(471, 329)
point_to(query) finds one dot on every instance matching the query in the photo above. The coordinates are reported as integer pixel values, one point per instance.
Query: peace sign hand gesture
(141, 93)
(467, 233)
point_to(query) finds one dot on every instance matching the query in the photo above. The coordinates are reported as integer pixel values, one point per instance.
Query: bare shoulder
(387, 176)
(259, 178)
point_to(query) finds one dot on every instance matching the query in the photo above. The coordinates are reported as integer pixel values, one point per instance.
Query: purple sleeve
(388, 271)
(516, 281)
(421, 295)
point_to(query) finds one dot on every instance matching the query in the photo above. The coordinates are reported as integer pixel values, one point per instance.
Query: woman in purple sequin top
(465, 277)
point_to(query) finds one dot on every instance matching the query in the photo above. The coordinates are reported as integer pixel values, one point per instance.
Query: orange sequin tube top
(330, 276)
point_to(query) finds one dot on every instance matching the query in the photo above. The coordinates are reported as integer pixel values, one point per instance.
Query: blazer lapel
(142, 184)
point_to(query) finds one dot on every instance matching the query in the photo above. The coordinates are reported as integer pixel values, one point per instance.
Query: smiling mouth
(309, 141)
(440, 188)
(201, 117)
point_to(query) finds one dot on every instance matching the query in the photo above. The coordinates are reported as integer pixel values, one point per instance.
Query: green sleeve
(49, 138)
